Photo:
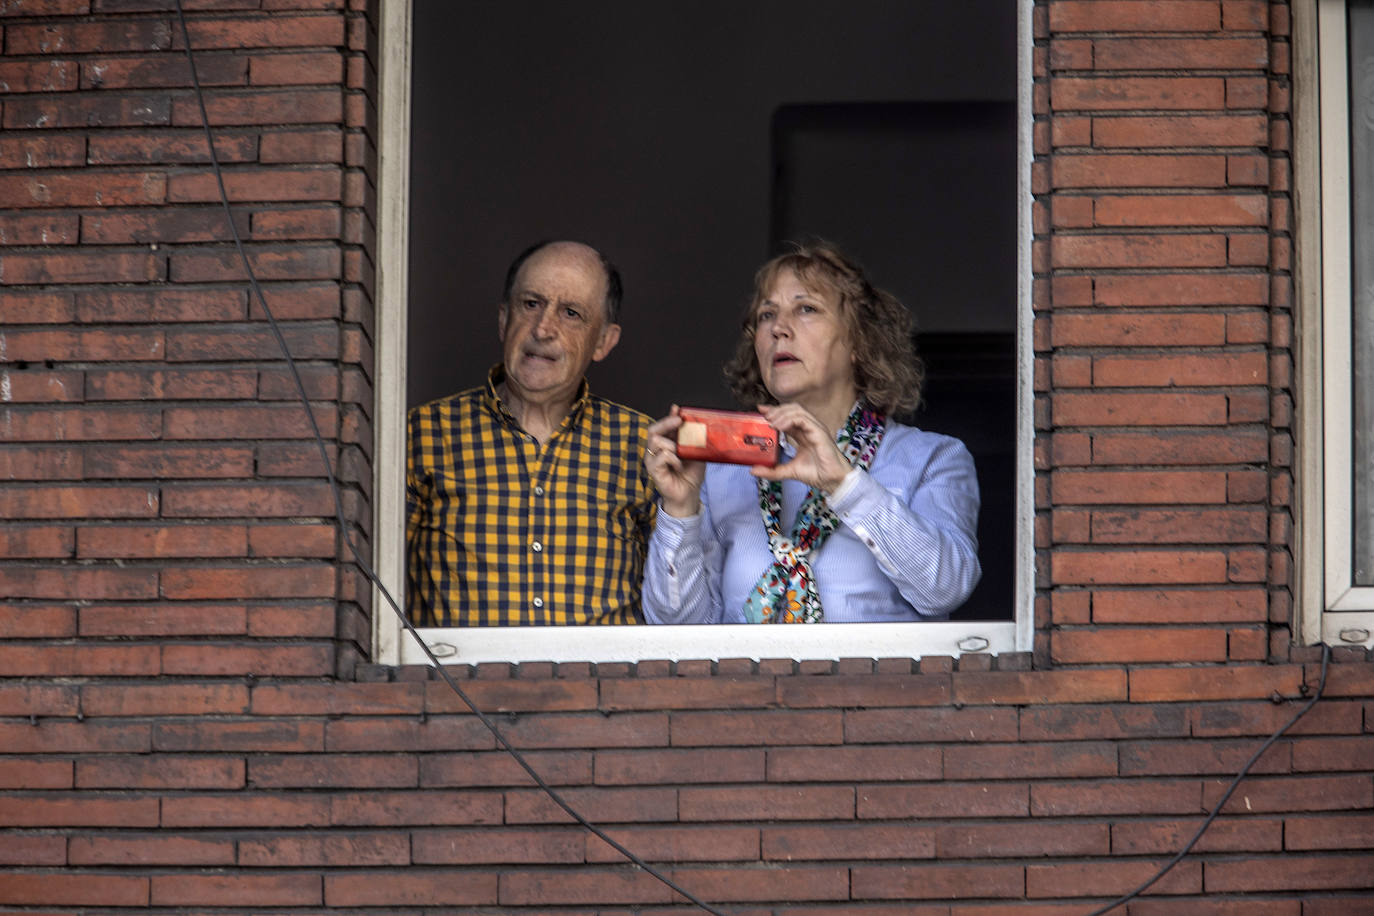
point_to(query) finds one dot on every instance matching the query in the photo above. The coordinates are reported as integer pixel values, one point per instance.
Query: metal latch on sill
(973, 644)
(443, 649)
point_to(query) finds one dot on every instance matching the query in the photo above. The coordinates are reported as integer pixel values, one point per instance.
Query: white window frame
(471, 645)
(1331, 608)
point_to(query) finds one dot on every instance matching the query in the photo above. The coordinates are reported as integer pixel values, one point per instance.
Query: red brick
(164, 461)
(164, 700)
(1078, 722)
(541, 696)
(276, 32)
(323, 145)
(1290, 872)
(1138, 330)
(250, 890)
(257, 421)
(36, 542)
(150, 849)
(35, 502)
(157, 226)
(1179, 526)
(1134, 16)
(625, 805)
(766, 803)
(971, 841)
(1191, 210)
(161, 306)
(27, 699)
(338, 699)
(1108, 879)
(272, 735)
(244, 661)
(190, 541)
(1157, 290)
(54, 811)
(1116, 93)
(1138, 251)
(1198, 684)
(777, 883)
(872, 726)
(1333, 753)
(86, 111)
(658, 767)
(87, 345)
(677, 844)
(49, 851)
(841, 764)
(752, 728)
(1180, 53)
(430, 888)
(386, 809)
(960, 800)
(863, 691)
(490, 846)
(675, 693)
(294, 263)
(90, 584)
(500, 769)
(937, 882)
(1054, 761)
(33, 775)
(251, 343)
(1197, 757)
(1134, 171)
(296, 621)
(323, 67)
(295, 581)
(1121, 645)
(161, 772)
(1071, 54)
(1334, 832)
(246, 500)
(1235, 130)
(1138, 487)
(142, 35)
(1112, 797)
(32, 151)
(84, 189)
(239, 810)
(170, 146)
(1235, 446)
(160, 72)
(330, 771)
(1198, 370)
(41, 386)
(73, 890)
(1141, 567)
(333, 850)
(1155, 837)
(278, 185)
(39, 229)
(29, 621)
(295, 540)
(1126, 409)
(1024, 688)
(85, 266)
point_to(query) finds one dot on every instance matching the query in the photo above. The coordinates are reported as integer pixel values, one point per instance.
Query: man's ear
(610, 336)
(501, 322)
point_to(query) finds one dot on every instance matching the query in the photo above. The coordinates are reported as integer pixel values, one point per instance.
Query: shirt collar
(497, 374)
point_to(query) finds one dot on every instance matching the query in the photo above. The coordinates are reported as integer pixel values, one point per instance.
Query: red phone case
(726, 436)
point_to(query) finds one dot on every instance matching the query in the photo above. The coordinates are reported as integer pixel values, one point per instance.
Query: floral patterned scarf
(786, 592)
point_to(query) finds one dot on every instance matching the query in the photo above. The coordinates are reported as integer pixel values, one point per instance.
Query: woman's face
(802, 345)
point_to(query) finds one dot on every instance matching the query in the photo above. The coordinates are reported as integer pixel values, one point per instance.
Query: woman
(865, 519)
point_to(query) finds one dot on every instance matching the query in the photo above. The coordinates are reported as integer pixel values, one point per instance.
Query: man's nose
(544, 324)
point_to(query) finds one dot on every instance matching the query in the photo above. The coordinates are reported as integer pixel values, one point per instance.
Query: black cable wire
(343, 523)
(1178, 857)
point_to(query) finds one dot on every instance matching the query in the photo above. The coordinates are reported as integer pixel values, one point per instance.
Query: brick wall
(187, 716)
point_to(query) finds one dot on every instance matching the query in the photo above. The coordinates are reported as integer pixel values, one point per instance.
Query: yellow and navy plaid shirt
(501, 532)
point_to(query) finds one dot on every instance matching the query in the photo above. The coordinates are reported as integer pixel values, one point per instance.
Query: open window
(686, 158)
(1334, 163)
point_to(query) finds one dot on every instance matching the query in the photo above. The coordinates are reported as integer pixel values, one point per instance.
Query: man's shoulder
(450, 402)
(605, 411)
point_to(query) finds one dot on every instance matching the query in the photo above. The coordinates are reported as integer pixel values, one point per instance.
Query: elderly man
(527, 501)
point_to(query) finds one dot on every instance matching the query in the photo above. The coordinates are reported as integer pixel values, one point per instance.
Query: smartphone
(726, 436)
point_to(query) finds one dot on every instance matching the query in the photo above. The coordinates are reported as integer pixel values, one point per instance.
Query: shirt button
(538, 602)
(536, 547)
(538, 491)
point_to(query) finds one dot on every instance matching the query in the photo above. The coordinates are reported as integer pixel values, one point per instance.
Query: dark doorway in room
(686, 143)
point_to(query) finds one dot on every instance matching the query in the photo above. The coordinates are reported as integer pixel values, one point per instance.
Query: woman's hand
(818, 463)
(678, 481)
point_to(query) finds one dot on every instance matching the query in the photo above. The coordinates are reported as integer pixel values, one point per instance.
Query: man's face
(555, 324)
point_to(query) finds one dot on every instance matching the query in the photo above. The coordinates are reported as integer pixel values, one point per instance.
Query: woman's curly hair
(887, 371)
